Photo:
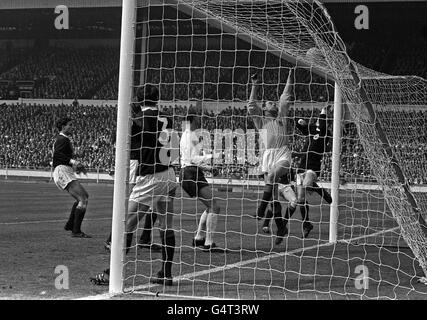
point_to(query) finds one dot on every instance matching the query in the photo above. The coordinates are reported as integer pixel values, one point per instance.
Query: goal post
(211, 47)
(122, 146)
(335, 170)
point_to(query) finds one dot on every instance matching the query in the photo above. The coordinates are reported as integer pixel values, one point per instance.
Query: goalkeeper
(63, 175)
(272, 124)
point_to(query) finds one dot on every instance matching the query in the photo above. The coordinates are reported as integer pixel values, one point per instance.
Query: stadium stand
(24, 145)
(68, 72)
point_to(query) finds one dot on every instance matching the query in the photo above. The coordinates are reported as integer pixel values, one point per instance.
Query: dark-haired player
(276, 161)
(135, 145)
(156, 182)
(193, 160)
(65, 179)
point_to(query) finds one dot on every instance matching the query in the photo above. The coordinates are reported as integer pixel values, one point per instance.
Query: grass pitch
(34, 244)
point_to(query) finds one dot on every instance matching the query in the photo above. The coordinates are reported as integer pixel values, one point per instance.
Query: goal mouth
(369, 242)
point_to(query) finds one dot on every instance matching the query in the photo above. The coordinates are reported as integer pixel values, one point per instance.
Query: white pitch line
(236, 265)
(46, 221)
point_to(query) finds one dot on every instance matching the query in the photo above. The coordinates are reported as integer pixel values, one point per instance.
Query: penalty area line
(192, 275)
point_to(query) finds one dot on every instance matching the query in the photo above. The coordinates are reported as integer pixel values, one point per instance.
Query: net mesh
(203, 53)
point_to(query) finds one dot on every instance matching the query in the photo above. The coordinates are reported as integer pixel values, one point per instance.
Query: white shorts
(151, 188)
(273, 156)
(133, 169)
(63, 175)
(306, 178)
(286, 191)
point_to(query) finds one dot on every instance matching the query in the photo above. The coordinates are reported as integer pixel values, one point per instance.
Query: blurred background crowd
(34, 64)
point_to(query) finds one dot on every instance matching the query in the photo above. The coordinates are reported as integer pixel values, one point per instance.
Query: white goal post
(351, 83)
(122, 154)
(122, 146)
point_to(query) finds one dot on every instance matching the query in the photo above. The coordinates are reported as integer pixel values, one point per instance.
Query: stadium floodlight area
(370, 243)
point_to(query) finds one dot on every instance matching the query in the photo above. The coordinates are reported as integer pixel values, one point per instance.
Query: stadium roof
(33, 4)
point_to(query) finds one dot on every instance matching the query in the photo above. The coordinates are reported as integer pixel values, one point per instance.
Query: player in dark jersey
(155, 183)
(151, 217)
(135, 145)
(63, 175)
(310, 163)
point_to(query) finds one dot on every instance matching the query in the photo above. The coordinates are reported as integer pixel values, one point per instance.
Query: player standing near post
(276, 161)
(193, 181)
(65, 179)
(135, 145)
(155, 184)
(310, 163)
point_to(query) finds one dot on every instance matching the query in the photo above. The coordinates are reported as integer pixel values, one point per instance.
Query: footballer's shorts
(63, 175)
(192, 180)
(306, 178)
(133, 169)
(152, 188)
(286, 191)
(272, 157)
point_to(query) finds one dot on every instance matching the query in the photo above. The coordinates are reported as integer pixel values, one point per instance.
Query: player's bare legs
(76, 190)
(199, 239)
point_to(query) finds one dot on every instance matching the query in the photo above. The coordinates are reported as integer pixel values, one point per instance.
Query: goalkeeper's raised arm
(286, 96)
(254, 109)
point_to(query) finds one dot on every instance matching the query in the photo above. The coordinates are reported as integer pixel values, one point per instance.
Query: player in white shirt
(193, 161)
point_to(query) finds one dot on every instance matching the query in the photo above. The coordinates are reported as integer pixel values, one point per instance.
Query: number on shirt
(169, 139)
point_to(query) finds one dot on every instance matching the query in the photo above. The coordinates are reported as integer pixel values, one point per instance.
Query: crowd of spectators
(28, 133)
(92, 73)
(65, 73)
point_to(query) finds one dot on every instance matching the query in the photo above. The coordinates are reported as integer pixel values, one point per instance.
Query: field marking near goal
(190, 276)
(47, 221)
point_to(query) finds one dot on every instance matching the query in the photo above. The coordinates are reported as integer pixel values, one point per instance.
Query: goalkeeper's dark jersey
(315, 145)
(62, 151)
(135, 141)
(153, 151)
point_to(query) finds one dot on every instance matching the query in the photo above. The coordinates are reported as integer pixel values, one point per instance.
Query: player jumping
(272, 124)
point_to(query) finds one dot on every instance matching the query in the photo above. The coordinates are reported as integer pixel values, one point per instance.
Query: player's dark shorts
(192, 180)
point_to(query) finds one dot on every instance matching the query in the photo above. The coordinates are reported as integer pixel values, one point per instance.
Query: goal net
(202, 53)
